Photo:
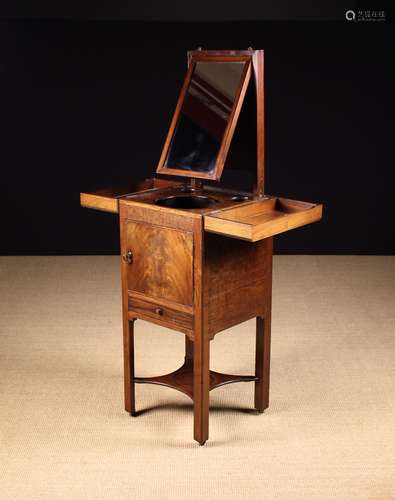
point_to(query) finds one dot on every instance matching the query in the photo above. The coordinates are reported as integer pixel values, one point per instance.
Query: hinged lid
(206, 114)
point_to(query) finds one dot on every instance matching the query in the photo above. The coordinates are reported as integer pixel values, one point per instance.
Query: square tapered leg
(201, 387)
(262, 362)
(128, 366)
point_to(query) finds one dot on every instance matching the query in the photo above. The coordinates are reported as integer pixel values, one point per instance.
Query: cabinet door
(161, 262)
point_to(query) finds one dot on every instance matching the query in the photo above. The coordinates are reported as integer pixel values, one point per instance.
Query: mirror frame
(209, 56)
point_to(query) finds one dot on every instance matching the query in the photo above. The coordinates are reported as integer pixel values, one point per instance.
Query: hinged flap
(263, 218)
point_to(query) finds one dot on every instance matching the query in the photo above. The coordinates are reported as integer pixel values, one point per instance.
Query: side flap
(106, 200)
(263, 218)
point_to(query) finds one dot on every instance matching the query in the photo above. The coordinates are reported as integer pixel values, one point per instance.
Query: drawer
(160, 314)
(262, 218)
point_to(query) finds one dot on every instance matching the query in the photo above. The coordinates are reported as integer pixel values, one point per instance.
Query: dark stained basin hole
(186, 201)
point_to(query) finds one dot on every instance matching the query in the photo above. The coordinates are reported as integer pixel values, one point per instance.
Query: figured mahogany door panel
(261, 219)
(160, 262)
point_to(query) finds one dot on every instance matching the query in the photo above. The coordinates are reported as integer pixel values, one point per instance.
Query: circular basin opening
(186, 201)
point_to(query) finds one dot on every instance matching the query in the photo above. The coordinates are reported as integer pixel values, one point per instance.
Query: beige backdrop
(329, 431)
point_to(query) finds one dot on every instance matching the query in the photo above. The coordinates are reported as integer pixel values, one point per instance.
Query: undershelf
(182, 379)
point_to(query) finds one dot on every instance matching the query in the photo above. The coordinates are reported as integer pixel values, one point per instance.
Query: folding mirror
(205, 117)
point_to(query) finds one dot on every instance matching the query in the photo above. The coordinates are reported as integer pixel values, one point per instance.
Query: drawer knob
(159, 311)
(128, 257)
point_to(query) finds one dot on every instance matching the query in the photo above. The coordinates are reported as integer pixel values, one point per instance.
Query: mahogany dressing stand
(196, 257)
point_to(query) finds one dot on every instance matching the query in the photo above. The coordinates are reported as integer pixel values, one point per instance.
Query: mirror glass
(204, 116)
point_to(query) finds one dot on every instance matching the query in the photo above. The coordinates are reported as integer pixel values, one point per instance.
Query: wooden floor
(329, 432)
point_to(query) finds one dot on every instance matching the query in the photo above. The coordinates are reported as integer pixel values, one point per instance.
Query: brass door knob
(128, 257)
